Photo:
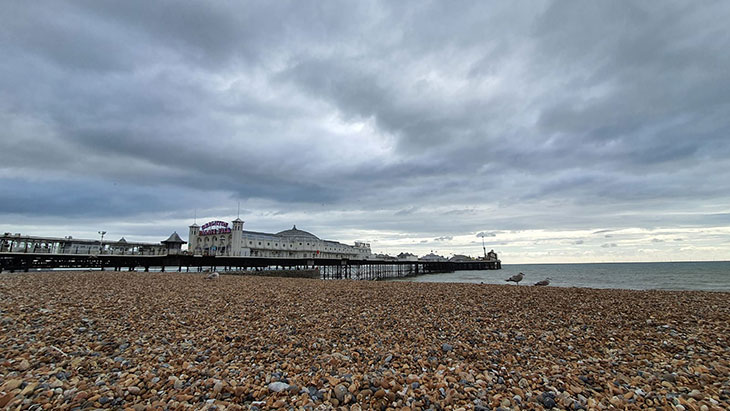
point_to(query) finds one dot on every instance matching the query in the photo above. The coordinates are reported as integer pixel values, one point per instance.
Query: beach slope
(152, 340)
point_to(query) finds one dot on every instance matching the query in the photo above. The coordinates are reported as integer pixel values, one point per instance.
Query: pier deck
(329, 268)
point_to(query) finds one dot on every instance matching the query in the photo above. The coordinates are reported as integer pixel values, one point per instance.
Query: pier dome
(294, 232)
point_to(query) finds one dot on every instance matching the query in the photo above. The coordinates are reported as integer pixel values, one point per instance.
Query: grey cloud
(407, 117)
(444, 238)
(609, 245)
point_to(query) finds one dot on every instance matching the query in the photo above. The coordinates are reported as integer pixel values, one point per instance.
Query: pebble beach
(78, 340)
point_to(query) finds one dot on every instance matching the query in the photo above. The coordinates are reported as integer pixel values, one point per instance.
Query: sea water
(709, 276)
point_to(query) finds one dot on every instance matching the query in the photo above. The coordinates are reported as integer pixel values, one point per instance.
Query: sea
(707, 276)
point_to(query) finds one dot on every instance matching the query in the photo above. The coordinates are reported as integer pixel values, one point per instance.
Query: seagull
(212, 276)
(543, 282)
(516, 278)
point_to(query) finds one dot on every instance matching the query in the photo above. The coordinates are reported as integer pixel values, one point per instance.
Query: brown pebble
(5, 399)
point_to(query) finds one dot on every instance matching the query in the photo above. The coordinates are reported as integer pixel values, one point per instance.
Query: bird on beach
(516, 278)
(543, 282)
(212, 276)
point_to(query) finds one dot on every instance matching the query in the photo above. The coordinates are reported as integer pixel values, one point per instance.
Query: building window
(259, 242)
(268, 244)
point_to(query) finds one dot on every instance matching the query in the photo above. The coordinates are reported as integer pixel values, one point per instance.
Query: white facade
(222, 238)
(17, 243)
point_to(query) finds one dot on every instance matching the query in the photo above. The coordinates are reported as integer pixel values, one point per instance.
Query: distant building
(407, 257)
(221, 238)
(492, 256)
(431, 257)
(173, 244)
(18, 243)
(460, 258)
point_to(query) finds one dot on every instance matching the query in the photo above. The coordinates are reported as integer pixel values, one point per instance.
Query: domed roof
(294, 232)
(174, 239)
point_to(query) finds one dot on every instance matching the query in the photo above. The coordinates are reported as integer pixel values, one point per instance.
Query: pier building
(230, 239)
(18, 243)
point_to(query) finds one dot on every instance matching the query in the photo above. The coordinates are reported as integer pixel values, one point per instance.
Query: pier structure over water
(329, 268)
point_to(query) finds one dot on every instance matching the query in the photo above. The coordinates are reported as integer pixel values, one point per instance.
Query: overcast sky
(562, 131)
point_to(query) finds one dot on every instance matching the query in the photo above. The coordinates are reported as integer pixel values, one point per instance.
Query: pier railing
(329, 268)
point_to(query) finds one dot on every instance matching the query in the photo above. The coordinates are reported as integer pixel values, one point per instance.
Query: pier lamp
(101, 242)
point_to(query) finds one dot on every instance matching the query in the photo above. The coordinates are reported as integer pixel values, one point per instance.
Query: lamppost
(101, 242)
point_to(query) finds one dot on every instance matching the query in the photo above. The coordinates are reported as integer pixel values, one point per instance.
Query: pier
(368, 269)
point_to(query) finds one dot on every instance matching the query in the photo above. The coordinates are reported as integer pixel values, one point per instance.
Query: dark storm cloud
(429, 118)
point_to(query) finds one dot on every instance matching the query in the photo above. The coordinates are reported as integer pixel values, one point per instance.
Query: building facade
(18, 243)
(222, 238)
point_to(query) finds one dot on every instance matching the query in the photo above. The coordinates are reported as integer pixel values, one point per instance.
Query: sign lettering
(215, 227)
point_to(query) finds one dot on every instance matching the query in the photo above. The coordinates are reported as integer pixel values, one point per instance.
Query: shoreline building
(224, 239)
(18, 243)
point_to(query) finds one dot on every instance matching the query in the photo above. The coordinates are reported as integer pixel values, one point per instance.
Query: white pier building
(222, 238)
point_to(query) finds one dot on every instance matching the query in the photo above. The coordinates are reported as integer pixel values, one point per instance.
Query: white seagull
(516, 278)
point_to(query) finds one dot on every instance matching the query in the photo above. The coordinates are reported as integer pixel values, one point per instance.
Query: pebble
(278, 386)
(340, 392)
(696, 394)
(176, 341)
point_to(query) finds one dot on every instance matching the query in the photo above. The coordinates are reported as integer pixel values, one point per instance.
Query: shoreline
(126, 339)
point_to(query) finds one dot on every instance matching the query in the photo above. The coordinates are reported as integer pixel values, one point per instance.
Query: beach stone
(133, 390)
(340, 392)
(5, 399)
(696, 394)
(278, 386)
(446, 347)
(176, 383)
(12, 384)
(548, 402)
(24, 365)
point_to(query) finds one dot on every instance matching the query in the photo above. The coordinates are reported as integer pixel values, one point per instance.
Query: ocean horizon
(684, 275)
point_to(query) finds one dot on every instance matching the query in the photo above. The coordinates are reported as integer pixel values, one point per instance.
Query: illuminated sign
(215, 227)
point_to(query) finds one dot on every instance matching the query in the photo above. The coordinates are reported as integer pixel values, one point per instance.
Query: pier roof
(174, 239)
(294, 232)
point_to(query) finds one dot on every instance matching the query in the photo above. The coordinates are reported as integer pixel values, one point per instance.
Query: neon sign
(215, 227)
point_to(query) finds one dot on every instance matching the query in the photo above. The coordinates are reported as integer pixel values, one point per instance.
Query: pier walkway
(329, 268)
